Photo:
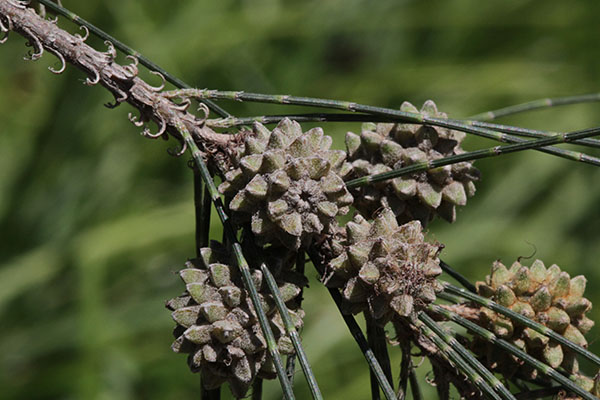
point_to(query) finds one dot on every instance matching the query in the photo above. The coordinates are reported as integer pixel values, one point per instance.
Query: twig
(121, 81)
(242, 264)
(415, 388)
(357, 334)
(453, 344)
(458, 277)
(536, 105)
(346, 117)
(512, 349)
(292, 333)
(202, 226)
(472, 155)
(405, 369)
(406, 117)
(127, 50)
(522, 320)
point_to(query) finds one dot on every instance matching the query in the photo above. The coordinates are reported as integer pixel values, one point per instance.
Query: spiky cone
(288, 184)
(421, 196)
(218, 326)
(547, 295)
(385, 269)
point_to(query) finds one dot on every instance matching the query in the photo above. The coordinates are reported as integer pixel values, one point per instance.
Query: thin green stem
(290, 367)
(344, 117)
(292, 333)
(538, 393)
(360, 339)
(241, 261)
(127, 50)
(357, 334)
(536, 105)
(407, 117)
(312, 117)
(405, 369)
(291, 359)
(377, 341)
(458, 277)
(415, 388)
(257, 389)
(512, 349)
(448, 288)
(473, 155)
(463, 366)
(532, 133)
(450, 340)
(202, 226)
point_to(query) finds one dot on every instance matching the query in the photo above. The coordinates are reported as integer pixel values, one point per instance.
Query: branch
(121, 81)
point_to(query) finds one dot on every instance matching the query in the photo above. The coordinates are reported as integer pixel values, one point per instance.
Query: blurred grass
(95, 220)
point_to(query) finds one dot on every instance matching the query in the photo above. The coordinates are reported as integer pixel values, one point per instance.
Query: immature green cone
(385, 269)
(217, 324)
(421, 196)
(288, 184)
(547, 295)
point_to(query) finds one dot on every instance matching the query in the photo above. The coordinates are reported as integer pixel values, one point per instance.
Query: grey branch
(121, 80)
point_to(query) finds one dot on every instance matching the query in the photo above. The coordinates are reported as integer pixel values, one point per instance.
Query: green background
(96, 220)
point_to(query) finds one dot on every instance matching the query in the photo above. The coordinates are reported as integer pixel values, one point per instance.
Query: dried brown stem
(121, 80)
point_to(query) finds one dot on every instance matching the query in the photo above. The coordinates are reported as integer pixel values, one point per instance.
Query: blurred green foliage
(95, 219)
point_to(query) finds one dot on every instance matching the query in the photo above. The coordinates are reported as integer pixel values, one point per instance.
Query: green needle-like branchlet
(457, 276)
(414, 385)
(345, 117)
(292, 332)
(472, 155)
(402, 116)
(202, 215)
(536, 105)
(241, 261)
(461, 364)
(512, 349)
(378, 342)
(468, 357)
(448, 288)
(355, 331)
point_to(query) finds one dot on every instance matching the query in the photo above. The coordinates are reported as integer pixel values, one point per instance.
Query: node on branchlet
(419, 196)
(547, 295)
(385, 269)
(217, 324)
(288, 184)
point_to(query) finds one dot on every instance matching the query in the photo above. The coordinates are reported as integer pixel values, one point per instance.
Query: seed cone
(218, 326)
(288, 184)
(385, 269)
(546, 295)
(420, 196)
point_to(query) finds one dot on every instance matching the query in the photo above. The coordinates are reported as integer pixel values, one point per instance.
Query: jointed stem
(463, 366)
(473, 155)
(488, 376)
(293, 333)
(458, 277)
(415, 388)
(345, 117)
(405, 369)
(358, 336)
(536, 105)
(377, 341)
(202, 214)
(406, 117)
(241, 261)
(512, 349)
(520, 319)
